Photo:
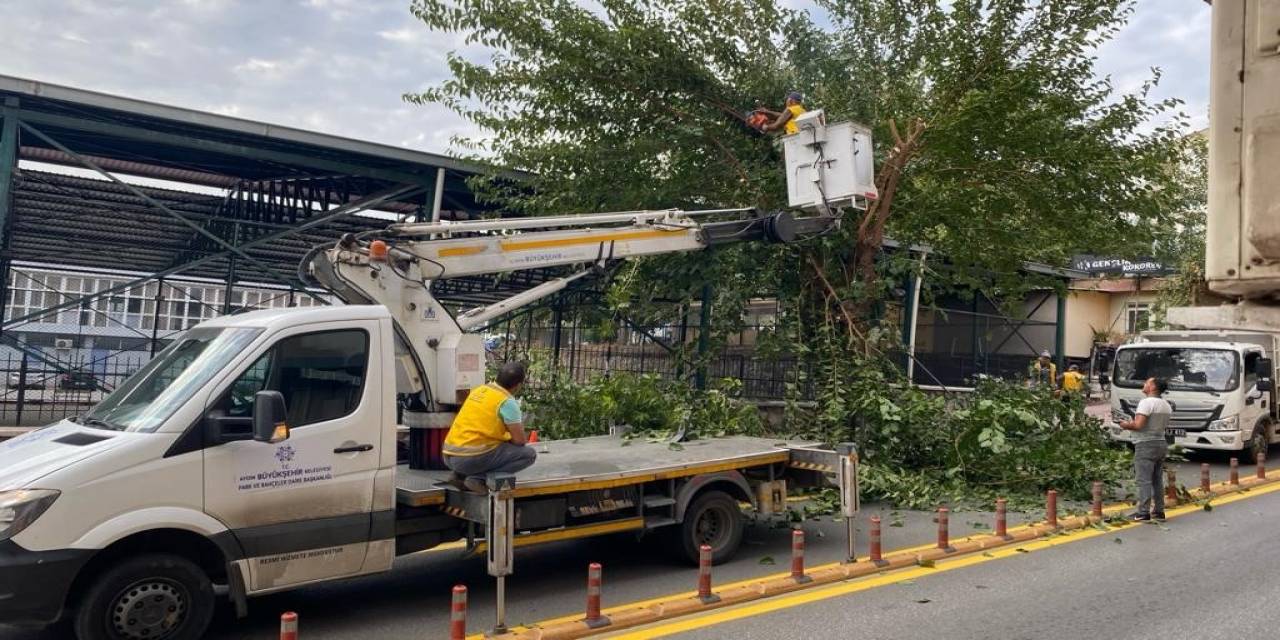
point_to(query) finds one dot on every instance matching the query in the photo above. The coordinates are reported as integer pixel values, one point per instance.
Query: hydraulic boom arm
(394, 268)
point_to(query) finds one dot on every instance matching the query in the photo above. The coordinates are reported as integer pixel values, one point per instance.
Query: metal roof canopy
(285, 189)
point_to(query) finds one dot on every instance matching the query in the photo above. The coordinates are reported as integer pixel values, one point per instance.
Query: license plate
(1175, 433)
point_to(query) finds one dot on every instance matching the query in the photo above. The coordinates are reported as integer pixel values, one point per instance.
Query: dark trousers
(506, 458)
(1148, 468)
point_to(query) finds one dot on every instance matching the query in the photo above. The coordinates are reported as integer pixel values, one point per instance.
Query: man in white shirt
(1149, 449)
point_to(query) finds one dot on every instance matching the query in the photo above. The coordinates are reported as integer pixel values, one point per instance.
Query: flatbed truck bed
(602, 462)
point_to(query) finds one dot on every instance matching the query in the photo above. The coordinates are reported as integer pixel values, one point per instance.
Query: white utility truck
(259, 451)
(1220, 387)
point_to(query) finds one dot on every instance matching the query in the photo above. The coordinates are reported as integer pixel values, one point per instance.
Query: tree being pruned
(996, 142)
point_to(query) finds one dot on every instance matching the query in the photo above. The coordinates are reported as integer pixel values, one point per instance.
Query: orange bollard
(797, 557)
(288, 626)
(704, 576)
(1235, 471)
(1204, 477)
(533, 436)
(877, 555)
(458, 614)
(1002, 521)
(944, 530)
(1262, 466)
(594, 620)
(1051, 508)
(1097, 499)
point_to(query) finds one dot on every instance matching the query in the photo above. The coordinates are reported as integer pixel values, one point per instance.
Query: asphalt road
(1203, 575)
(413, 600)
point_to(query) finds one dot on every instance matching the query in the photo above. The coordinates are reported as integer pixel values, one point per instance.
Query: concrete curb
(819, 576)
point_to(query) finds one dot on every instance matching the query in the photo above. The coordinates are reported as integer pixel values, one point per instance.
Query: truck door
(302, 509)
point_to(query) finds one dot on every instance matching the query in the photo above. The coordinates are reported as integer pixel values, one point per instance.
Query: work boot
(1158, 516)
(457, 481)
(475, 484)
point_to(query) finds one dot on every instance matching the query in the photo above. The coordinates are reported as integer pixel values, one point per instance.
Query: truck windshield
(152, 394)
(1186, 369)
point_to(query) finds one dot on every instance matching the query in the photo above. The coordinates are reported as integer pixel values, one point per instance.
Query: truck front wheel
(713, 519)
(1258, 442)
(155, 596)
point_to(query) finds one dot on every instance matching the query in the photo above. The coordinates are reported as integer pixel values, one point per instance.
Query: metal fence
(57, 363)
(761, 378)
(37, 392)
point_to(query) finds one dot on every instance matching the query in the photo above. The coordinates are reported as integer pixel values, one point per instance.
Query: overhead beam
(227, 148)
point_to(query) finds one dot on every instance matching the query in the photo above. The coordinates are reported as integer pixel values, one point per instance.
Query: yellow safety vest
(796, 110)
(1072, 381)
(478, 428)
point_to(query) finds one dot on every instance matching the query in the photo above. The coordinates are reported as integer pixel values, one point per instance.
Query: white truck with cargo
(259, 451)
(1220, 388)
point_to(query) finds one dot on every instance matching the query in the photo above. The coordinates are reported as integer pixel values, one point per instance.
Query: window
(1139, 317)
(1183, 368)
(149, 397)
(1251, 369)
(321, 376)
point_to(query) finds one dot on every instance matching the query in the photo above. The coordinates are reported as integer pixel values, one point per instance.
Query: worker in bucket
(1149, 449)
(1044, 373)
(785, 119)
(488, 434)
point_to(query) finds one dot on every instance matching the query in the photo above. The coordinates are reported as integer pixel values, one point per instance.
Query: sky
(341, 66)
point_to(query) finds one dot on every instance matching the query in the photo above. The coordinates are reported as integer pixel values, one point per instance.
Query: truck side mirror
(1265, 384)
(1264, 371)
(269, 417)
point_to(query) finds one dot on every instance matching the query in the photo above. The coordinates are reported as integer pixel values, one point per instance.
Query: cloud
(401, 35)
(342, 65)
(254, 65)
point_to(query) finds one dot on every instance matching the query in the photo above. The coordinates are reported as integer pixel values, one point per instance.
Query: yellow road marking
(651, 601)
(805, 597)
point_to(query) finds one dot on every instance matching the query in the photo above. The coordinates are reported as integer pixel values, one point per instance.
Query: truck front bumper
(1214, 440)
(1211, 440)
(34, 584)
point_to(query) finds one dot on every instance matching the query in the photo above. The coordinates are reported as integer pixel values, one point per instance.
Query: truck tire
(1258, 442)
(714, 519)
(156, 596)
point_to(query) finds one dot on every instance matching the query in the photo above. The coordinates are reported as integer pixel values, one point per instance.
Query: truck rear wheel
(155, 596)
(713, 519)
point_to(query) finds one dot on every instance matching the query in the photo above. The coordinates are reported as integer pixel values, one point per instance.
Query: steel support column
(155, 316)
(1060, 333)
(973, 337)
(230, 288)
(8, 164)
(704, 339)
(557, 316)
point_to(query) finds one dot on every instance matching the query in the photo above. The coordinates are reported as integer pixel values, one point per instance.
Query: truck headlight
(18, 509)
(1226, 424)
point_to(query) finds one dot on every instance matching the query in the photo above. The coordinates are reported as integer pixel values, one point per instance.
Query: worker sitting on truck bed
(488, 435)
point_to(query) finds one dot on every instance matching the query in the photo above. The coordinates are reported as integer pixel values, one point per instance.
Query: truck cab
(187, 475)
(1219, 387)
